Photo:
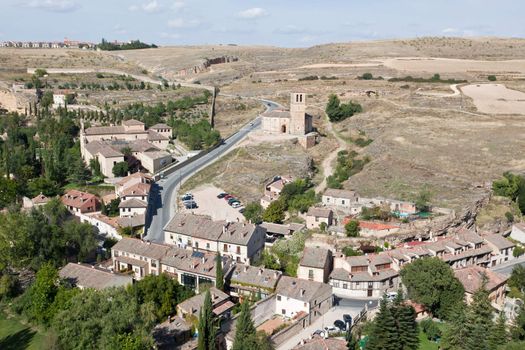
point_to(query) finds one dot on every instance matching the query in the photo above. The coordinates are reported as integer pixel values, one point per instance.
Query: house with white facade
(243, 242)
(252, 281)
(78, 202)
(316, 216)
(502, 248)
(295, 296)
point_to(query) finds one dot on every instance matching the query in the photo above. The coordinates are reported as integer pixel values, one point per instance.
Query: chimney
(260, 272)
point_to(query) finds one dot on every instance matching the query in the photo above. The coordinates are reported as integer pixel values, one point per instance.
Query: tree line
(132, 45)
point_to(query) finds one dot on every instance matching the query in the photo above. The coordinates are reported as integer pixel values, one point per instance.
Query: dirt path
(327, 162)
(454, 88)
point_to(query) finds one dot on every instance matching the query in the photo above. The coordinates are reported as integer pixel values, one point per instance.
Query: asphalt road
(164, 192)
(506, 268)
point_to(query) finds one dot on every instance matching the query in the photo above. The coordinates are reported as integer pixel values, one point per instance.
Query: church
(293, 122)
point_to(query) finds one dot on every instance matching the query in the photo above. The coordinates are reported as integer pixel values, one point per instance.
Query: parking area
(209, 204)
(351, 307)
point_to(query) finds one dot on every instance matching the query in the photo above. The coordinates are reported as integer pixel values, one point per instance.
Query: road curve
(164, 192)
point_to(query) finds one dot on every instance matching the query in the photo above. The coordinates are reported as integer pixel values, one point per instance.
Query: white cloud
(53, 5)
(252, 13)
(177, 5)
(183, 23)
(149, 7)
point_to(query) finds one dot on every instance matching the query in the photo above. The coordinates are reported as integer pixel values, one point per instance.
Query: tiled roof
(160, 126)
(320, 343)
(315, 257)
(467, 254)
(133, 203)
(105, 130)
(376, 226)
(88, 276)
(319, 212)
(79, 200)
(283, 229)
(472, 278)
(132, 122)
(201, 226)
(141, 248)
(381, 275)
(202, 263)
(132, 221)
(332, 192)
(276, 113)
(155, 136)
(40, 199)
(139, 189)
(255, 276)
(498, 241)
(104, 148)
(194, 304)
(304, 290)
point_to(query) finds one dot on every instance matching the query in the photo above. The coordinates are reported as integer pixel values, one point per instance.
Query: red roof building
(78, 202)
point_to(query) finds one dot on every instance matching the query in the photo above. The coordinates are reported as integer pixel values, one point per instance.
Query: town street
(164, 192)
(507, 267)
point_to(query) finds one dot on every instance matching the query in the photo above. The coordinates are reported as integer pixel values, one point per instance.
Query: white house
(518, 232)
(315, 264)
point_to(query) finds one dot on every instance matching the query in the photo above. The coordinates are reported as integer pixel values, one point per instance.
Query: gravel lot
(209, 204)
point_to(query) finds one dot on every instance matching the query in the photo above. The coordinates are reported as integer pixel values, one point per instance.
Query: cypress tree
(479, 320)
(384, 332)
(245, 333)
(518, 328)
(219, 273)
(456, 331)
(498, 335)
(207, 325)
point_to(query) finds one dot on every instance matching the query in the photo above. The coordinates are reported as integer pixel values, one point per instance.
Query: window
(225, 248)
(283, 311)
(304, 304)
(207, 246)
(153, 263)
(197, 245)
(171, 236)
(343, 201)
(279, 297)
(336, 284)
(345, 285)
(238, 250)
(310, 275)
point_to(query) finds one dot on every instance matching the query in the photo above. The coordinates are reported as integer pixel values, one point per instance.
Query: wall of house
(313, 222)
(154, 164)
(360, 289)
(303, 272)
(517, 234)
(103, 228)
(126, 212)
(125, 137)
(106, 164)
(290, 306)
(295, 328)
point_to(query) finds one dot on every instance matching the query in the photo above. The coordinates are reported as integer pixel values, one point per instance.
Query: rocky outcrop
(205, 64)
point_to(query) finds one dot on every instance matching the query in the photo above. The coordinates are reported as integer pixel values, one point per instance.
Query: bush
(253, 212)
(491, 78)
(509, 216)
(367, 76)
(352, 229)
(518, 251)
(120, 169)
(350, 251)
(337, 111)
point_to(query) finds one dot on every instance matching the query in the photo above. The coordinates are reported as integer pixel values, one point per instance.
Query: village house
(193, 269)
(243, 242)
(315, 217)
(133, 207)
(272, 189)
(364, 276)
(87, 276)
(78, 202)
(220, 301)
(343, 199)
(105, 144)
(106, 226)
(253, 281)
(59, 100)
(130, 181)
(315, 264)
(277, 231)
(320, 343)
(172, 333)
(472, 279)
(502, 248)
(295, 296)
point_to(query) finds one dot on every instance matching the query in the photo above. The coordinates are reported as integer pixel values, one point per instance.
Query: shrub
(518, 251)
(367, 76)
(491, 78)
(352, 229)
(338, 111)
(509, 216)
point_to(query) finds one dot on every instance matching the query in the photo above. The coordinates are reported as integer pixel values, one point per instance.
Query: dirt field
(495, 98)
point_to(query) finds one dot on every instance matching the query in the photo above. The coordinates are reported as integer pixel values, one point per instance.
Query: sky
(286, 23)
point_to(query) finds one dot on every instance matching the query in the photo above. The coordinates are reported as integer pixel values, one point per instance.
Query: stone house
(220, 301)
(252, 281)
(473, 277)
(243, 242)
(502, 248)
(78, 202)
(294, 295)
(316, 216)
(315, 264)
(88, 276)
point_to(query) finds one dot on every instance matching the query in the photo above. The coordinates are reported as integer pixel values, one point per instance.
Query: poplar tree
(245, 333)
(219, 273)
(207, 325)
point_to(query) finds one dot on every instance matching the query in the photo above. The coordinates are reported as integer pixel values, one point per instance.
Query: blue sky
(290, 23)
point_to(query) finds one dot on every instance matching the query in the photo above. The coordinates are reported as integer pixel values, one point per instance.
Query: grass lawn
(425, 344)
(16, 336)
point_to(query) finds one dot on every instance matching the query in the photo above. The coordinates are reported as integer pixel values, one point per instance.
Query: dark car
(340, 324)
(241, 210)
(348, 319)
(222, 195)
(233, 200)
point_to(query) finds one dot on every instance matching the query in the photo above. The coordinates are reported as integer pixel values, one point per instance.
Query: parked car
(330, 330)
(228, 196)
(190, 205)
(233, 200)
(187, 198)
(318, 332)
(391, 296)
(348, 319)
(236, 205)
(222, 195)
(241, 210)
(340, 324)
(187, 194)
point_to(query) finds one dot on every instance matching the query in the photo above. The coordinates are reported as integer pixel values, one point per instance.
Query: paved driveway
(346, 306)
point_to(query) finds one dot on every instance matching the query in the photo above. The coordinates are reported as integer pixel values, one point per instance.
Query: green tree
(9, 286)
(498, 335)
(275, 212)
(8, 192)
(431, 282)
(43, 293)
(384, 333)
(47, 99)
(479, 320)
(94, 165)
(456, 330)
(423, 200)
(517, 278)
(120, 169)
(352, 228)
(269, 261)
(40, 72)
(351, 342)
(219, 273)
(207, 325)
(245, 333)
(350, 251)
(253, 212)
(517, 331)
(367, 76)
